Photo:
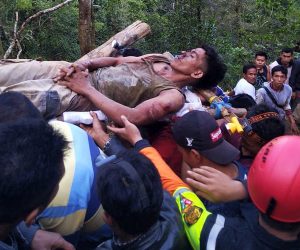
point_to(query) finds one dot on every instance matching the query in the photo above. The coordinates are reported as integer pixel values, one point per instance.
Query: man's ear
(197, 74)
(196, 156)
(30, 218)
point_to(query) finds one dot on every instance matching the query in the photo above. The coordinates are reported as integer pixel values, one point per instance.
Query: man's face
(286, 58)
(190, 62)
(278, 79)
(250, 76)
(260, 61)
(188, 157)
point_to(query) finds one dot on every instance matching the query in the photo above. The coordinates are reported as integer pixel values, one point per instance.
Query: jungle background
(237, 29)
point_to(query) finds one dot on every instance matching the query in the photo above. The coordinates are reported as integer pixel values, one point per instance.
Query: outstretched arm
(93, 64)
(101, 62)
(192, 210)
(131, 133)
(149, 111)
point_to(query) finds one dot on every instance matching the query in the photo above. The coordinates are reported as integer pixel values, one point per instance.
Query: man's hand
(96, 131)
(68, 71)
(294, 128)
(78, 82)
(129, 132)
(214, 185)
(44, 240)
(292, 123)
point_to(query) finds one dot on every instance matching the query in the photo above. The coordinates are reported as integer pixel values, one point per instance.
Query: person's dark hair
(242, 101)
(280, 226)
(261, 53)
(267, 129)
(120, 196)
(287, 50)
(214, 69)
(31, 165)
(280, 68)
(14, 105)
(129, 52)
(246, 67)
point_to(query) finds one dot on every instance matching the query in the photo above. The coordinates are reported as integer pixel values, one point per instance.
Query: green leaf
(24, 4)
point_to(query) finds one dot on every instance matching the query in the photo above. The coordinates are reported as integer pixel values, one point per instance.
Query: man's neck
(276, 88)
(260, 70)
(122, 237)
(287, 236)
(181, 81)
(125, 240)
(231, 169)
(284, 64)
(245, 152)
(247, 81)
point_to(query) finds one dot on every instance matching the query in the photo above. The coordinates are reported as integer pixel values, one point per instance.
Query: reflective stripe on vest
(214, 232)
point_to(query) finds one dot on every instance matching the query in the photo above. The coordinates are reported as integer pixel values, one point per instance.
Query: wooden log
(126, 37)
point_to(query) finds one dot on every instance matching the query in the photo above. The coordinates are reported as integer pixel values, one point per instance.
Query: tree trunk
(126, 37)
(85, 26)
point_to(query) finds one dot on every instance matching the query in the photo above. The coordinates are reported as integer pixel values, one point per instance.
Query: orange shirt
(170, 181)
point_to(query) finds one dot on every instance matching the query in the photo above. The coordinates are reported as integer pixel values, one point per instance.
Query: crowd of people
(274, 85)
(164, 169)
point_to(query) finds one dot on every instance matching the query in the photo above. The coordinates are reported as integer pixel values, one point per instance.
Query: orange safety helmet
(274, 179)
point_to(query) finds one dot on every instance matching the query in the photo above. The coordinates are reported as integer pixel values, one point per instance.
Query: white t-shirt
(244, 87)
(193, 102)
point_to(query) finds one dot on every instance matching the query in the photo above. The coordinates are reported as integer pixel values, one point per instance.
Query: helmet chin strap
(271, 206)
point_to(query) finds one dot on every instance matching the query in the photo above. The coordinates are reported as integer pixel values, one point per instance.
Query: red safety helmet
(274, 179)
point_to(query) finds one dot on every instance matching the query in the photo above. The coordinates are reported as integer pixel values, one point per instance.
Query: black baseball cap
(199, 130)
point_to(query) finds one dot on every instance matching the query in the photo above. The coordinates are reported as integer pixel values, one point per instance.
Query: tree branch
(17, 33)
(13, 43)
(19, 47)
(40, 13)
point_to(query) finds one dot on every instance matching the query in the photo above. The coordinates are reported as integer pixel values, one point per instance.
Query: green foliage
(57, 35)
(237, 29)
(50, 37)
(237, 57)
(23, 4)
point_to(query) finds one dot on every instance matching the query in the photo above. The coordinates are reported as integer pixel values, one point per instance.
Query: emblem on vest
(191, 213)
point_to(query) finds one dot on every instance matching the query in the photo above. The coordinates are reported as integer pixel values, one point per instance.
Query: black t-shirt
(261, 78)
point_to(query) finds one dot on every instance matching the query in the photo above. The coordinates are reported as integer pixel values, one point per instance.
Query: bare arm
(292, 122)
(101, 62)
(169, 179)
(113, 61)
(93, 64)
(149, 111)
(44, 240)
(145, 113)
